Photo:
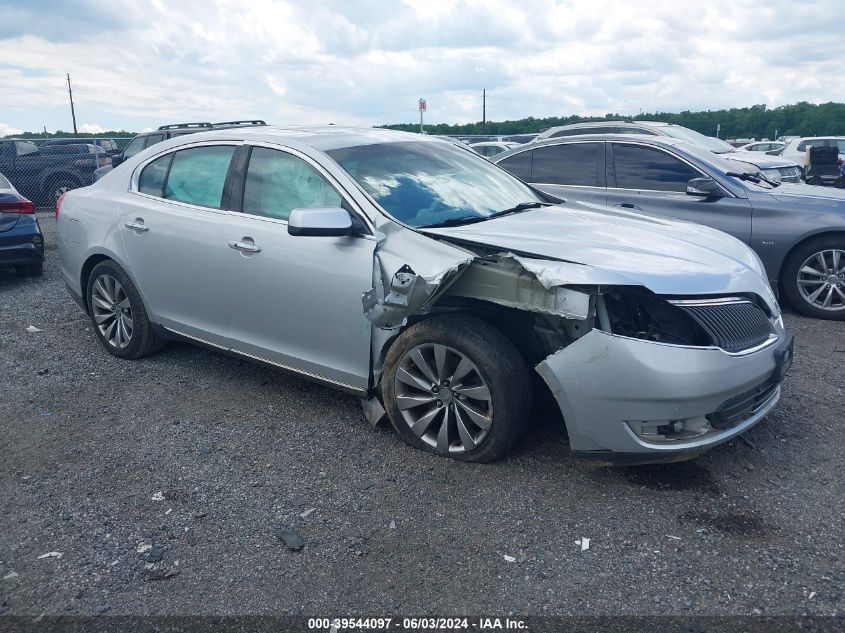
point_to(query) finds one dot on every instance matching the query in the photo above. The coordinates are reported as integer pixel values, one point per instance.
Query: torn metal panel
(409, 272)
(373, 410)
(507, 282)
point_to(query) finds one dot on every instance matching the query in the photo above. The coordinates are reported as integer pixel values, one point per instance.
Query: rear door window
(277, 183)
(570, 164)
(152, 139)
(153, 176)
(839, 143)
(519, 165)
(197, 175)
(648, 168)
(25, 147)
(803, 146)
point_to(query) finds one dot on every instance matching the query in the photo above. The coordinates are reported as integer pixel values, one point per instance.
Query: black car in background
(44, 174)
(21, 242)
(165, 132)
(106, 146)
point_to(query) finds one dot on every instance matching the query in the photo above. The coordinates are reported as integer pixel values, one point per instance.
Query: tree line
(758, 121)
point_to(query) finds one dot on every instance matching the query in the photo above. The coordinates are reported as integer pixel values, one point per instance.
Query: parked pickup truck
(44, 175)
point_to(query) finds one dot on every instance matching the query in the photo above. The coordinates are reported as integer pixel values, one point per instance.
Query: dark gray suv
(797, 230)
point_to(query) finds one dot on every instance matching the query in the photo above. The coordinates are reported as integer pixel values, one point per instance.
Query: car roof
(610, 122)
(582, 138)
(325, 137)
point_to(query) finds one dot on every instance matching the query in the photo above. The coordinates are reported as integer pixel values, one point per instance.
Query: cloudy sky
(136, 65)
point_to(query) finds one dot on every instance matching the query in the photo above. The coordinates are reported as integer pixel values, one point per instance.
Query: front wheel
(455, 386)
(814, 278)
(119, 316)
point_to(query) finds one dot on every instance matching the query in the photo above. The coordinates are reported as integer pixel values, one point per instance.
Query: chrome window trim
(341, 190)
(136, 173)
(665, 151)
(554, 184)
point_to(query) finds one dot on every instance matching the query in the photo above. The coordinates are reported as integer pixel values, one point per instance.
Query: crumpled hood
(610, 246)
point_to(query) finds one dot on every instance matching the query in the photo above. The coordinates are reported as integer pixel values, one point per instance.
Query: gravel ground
(207, 460)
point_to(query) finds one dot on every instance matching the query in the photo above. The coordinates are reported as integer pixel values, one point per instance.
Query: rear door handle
(628, 205)
(244, 246)
(137, 225)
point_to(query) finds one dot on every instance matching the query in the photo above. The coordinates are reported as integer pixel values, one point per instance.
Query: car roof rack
(179, 126)
(235, 123)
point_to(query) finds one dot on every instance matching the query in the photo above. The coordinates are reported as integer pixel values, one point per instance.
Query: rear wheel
(814, 278)
(455, 386)
(119, 316)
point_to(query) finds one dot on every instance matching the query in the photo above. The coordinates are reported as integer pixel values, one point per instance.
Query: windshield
(423, 183)
(686, 134)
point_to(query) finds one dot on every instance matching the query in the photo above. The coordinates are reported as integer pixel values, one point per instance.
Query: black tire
(143, 340)
(814, 180)
(499, 365)
(30, 270)
(789, 280)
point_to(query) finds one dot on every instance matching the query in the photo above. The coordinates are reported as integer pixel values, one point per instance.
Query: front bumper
(632, 400)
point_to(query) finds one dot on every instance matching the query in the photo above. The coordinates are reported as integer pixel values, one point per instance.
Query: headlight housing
(772, 174)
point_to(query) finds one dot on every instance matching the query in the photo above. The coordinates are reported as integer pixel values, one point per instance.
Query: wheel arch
(85, 274)
(59, 173)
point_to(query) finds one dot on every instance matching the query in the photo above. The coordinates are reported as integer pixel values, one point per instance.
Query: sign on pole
(423, 107)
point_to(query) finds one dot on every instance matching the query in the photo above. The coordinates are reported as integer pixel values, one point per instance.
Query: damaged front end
(633, 373)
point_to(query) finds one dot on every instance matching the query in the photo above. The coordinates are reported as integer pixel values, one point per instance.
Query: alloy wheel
(112, 311)
(443, 398)
(821, 279)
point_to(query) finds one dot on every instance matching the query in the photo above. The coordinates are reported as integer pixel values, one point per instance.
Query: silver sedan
(433, 284)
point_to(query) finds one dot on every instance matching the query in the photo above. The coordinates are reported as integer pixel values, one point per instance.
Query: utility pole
(484, 111)
(72, 112)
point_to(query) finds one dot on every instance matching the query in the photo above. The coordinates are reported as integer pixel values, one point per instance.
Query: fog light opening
(657, 431)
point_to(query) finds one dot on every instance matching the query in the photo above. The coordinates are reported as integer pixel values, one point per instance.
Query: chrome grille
(734, 324)
(790, 174)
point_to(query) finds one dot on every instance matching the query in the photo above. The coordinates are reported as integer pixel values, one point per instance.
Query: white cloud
(91, 128)
(8, 130)
(368, 61)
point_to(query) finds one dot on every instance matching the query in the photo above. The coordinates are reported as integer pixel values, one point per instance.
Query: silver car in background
(432, 284)
(772, 167)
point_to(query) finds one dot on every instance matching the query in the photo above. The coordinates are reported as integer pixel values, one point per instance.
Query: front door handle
(244, 246)
(628, 205)
(137, 225)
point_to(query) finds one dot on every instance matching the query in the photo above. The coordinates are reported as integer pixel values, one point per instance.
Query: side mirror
(116, 160)
(321, 222)
(704, 187)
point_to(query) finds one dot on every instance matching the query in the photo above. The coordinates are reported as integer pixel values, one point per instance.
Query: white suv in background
(796, 149)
